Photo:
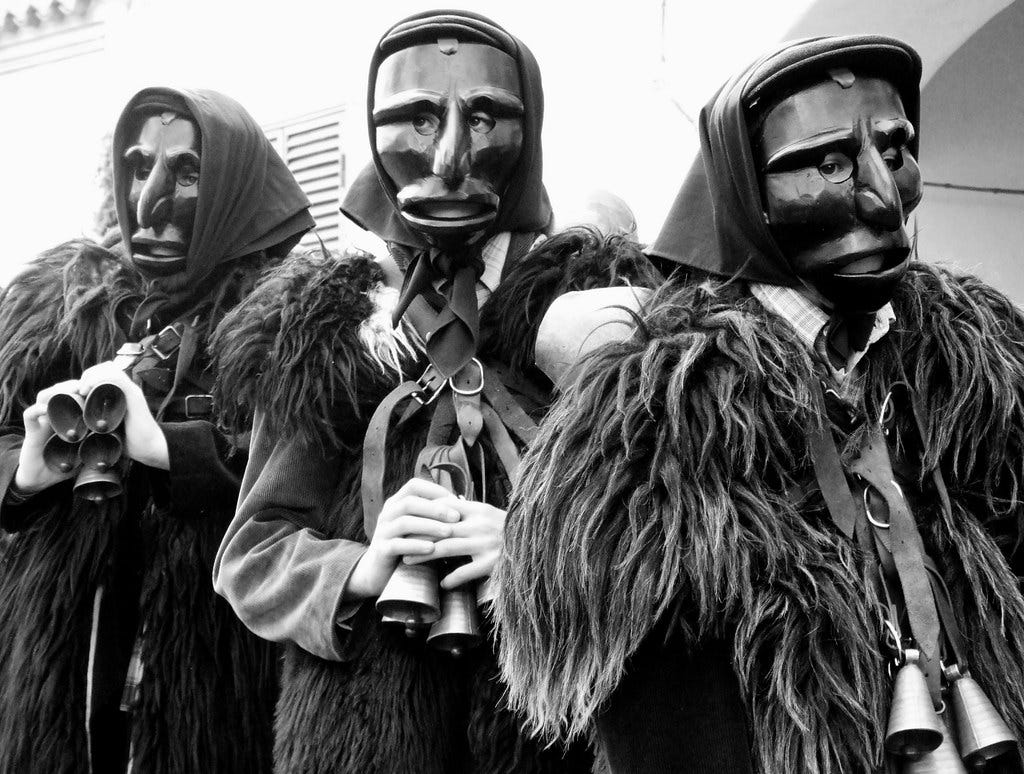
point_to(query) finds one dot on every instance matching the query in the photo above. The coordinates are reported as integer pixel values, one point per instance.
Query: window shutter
(311, 147)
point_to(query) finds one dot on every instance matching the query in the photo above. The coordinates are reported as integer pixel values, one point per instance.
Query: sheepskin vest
(207, 691)
(686, 494)
(315, 353)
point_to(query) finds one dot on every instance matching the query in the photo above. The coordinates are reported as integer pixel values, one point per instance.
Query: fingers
(411, 505)
(35, 415)
(103, 372)
(454, 546)
(43, 397)
(408, 547)
(469, 508)
(406, 526)
(475, 570)
(420, 487)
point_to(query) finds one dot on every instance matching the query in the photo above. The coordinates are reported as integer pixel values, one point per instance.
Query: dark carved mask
(839, 182)
(163, 164)
(449, 134)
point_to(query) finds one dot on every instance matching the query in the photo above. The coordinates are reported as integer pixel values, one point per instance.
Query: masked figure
(114, 651)
(777, 529)
(373, 506)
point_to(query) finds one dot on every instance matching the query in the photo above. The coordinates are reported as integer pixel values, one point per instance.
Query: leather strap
(503, 444)
(902, 576)
(905, 542)
(467, 386)
(508, 409)
(828, 469)
(189, 344)
(374, 444)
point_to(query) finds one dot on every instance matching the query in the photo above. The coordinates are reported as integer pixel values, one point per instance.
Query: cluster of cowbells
(412, 599)
(86, 437)
(931, 742)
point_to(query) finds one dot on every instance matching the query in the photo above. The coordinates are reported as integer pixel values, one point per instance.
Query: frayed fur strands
(576, 259)
(961, 343)
(311, 347)
(58, 317)
(675, 450)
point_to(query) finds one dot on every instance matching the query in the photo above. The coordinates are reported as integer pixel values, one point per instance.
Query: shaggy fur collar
(69, 308)
(675, 451)
(314, 350)
(308, 349)
(58, 316)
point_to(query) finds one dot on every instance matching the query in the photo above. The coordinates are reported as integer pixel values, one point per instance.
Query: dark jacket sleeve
(205, 470)
(18, 512)
(283, 577)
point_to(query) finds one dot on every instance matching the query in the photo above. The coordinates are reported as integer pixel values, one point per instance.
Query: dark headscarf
(248, 199)
(716, 223)
(372, 199)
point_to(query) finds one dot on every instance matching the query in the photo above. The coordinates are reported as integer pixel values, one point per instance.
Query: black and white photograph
(513, 388)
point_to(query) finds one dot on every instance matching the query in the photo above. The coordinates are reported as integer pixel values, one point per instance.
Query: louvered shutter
(311, 147)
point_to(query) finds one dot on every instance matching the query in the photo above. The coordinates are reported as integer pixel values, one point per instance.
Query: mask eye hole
(425, 124)
(481, 122)
(142, 171)
(187, 175)
(836, 167)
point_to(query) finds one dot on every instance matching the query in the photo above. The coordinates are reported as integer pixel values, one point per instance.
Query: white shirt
(807, 318)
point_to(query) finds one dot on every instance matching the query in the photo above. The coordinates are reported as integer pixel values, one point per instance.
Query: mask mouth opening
(157, 249)
(456, 212)
(159, 256)
(870, 262)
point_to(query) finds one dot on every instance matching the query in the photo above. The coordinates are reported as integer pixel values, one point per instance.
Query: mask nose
(155, 203)
(876, 194)
(451, 158)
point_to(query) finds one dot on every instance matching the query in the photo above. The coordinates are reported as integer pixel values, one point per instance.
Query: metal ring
(893, 633)
(885, 413)
(476, 390)
(867, 510)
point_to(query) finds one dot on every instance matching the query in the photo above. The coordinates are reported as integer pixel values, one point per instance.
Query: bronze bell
(983, 733)
(98, 485)
(100, 452)
(105, 408)
(914, 727)
(59, 455)
(944, 759)
(458, 629)
(411, 596)
(64, 410)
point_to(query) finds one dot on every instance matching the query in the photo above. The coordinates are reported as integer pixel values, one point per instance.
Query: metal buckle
(130, 349)
(867, 510)
(205, 409)
(476, 390)
(174, 348)
(430, 384)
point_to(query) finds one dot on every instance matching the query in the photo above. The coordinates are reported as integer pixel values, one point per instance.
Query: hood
(716, 223)
(371, 200)
(248, 199)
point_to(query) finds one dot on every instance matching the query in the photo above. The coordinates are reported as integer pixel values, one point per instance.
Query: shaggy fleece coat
(313, 353)
(677, 454)
(207, 692)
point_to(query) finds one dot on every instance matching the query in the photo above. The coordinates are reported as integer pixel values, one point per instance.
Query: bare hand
(32, 474)
(480, 535)
(410, 522)
(144, 440)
